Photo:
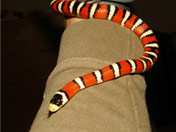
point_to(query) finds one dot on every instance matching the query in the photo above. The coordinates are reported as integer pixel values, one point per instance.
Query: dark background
(30, 38)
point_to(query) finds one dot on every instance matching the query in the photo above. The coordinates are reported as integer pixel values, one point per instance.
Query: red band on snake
(120, 16)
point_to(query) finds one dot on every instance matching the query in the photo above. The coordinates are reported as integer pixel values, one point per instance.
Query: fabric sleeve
(116, 105)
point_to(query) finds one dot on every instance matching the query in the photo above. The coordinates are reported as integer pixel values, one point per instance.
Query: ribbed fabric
(114, 106)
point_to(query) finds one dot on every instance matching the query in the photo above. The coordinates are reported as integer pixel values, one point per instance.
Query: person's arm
(117, 105)
(72, 20)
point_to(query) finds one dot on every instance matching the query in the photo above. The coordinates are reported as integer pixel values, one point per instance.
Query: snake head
(58, 100)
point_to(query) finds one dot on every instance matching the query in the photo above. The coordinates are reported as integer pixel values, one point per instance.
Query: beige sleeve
(114, 106)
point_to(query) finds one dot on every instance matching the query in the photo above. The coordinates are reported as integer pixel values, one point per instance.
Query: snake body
(120, 16)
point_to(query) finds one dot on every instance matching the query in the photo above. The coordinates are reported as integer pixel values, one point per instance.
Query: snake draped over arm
(93, 10)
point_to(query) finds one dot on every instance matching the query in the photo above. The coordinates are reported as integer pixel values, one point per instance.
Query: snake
(121, 16)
